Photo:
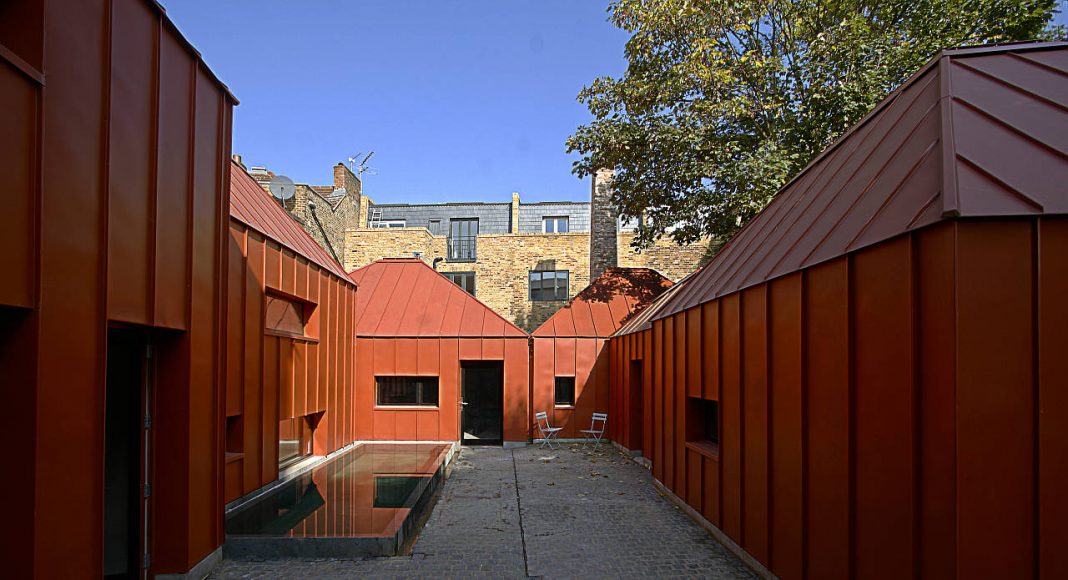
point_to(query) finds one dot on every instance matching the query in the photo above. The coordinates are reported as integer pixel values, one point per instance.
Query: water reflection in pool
(366, 492)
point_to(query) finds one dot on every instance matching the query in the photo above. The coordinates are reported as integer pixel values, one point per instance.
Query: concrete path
(574, 514)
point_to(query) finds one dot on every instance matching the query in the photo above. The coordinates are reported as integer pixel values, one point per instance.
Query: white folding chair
(595, 433)
(548, 433)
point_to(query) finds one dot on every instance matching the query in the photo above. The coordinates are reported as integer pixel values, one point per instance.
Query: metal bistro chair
(548, 433)
(594, 433)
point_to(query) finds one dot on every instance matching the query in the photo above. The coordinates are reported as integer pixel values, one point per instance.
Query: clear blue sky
(460, 100)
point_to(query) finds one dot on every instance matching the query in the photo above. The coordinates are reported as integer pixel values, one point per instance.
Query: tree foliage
(724, 100)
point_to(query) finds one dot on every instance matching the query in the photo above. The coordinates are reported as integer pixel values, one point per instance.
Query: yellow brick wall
(501, 271)
(664, 256)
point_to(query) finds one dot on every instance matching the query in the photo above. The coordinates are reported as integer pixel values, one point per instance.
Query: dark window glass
(702, 418)
(294, 440)
(565, 391)
(465, 280)
(286, 316)
(463, 234)
(422, 391)
(549, 285)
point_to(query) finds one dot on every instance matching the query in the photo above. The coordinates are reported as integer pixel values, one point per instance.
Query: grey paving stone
(531, 513)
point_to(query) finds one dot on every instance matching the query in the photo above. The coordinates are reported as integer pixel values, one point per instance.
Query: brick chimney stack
(515, 213)
(344, 177)
(603, 224)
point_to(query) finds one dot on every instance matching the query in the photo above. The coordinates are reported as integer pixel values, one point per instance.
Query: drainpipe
(434, 264)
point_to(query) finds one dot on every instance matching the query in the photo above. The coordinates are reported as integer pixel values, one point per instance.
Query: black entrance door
(127, 467)
(482, 400)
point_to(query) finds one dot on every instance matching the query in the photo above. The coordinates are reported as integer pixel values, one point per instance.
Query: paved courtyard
(531, 513)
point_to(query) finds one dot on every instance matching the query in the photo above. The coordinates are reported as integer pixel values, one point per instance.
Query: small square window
(284, 316)
(549, 285)
(702, 421)
(565, 391)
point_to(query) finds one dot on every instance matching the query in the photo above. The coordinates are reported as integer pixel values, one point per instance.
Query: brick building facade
(523, 260)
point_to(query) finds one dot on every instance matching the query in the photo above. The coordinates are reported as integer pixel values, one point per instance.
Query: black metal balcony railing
(462, 249)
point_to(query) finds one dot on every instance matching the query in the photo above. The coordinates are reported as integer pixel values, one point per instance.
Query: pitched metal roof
(254, 207)
(644, 320)
(406, 297)
(977, 132)
(602, 307)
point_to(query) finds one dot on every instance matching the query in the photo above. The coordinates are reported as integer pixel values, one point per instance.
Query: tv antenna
(282, 188)
(360, 166)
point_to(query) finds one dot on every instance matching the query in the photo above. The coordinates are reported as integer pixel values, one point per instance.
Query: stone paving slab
(576, 513)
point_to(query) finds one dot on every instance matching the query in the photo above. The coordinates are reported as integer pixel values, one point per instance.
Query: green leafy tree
(724, 100)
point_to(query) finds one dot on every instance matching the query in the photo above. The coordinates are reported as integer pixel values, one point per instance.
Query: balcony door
(462, 235)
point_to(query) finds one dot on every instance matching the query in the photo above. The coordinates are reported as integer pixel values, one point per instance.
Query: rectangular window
(407, 391)
(463, 233)
(385, 224)
(434, 226)
(284, 316)
(554, 224)
(565, 391)
(548, 285)
(294, 440)
(465, 280)
(702, 421)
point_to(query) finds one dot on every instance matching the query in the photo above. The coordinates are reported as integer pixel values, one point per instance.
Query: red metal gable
(977, 132)
(603, 306)
(254, 207)
(406, 297)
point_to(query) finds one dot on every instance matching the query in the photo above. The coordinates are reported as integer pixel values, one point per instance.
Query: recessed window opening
(465, 280)
(407, 391)
(565, 391)
(548, 285)
(387, 224)
(702, 421)
(294, 440)
(284, 316)
(555, 224)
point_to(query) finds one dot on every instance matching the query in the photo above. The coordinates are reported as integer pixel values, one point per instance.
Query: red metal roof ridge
(949, 193)
(614, 272)
(508, 324)
(323, 260)
(189, 46)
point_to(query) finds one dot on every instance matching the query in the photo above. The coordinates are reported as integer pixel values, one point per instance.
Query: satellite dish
(281, 187)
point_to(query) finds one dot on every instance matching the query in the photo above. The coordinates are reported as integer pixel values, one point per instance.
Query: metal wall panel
(1052, 397)
(755, 427)
(995, 383)
(786, 419)
(883, 409)
(84, 248)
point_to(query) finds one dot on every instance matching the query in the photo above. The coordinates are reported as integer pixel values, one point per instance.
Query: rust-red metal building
(628, 393)
(423, 345)
(290, 387)
(115, 159)
(870, 379)
(571, 372)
